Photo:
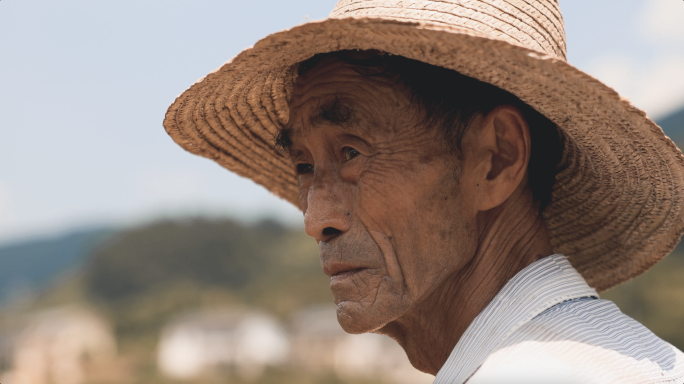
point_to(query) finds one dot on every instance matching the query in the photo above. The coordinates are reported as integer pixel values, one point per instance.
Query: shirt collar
(538, 287)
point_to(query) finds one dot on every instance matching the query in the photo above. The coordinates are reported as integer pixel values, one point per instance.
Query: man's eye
(350, 153)
(304, 168)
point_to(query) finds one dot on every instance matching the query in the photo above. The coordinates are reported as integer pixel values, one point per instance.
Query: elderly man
(468, 189)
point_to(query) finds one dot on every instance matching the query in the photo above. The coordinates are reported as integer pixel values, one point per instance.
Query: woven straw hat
(616, 207)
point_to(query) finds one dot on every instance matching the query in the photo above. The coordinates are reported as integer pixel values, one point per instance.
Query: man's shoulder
(583, 341)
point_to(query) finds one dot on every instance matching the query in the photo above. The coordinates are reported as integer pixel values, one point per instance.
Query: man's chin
(355, 318)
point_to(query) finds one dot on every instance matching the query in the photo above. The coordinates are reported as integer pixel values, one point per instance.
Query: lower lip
(344, 275)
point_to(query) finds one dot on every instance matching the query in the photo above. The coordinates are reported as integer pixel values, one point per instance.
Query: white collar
(538, 287)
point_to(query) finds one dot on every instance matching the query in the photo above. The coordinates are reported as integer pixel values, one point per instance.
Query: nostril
(330, 231)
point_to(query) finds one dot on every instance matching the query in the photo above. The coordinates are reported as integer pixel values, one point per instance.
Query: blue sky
(84, 86)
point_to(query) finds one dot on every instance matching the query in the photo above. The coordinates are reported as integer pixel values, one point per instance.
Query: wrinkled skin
(416, 240)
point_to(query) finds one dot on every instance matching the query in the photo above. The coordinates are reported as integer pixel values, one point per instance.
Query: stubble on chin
(369, 299)
(358, 302)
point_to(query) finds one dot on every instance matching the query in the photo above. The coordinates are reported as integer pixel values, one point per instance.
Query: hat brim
(616, 206)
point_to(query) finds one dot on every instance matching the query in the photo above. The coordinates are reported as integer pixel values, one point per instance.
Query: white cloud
(663, 19)
(655, 85)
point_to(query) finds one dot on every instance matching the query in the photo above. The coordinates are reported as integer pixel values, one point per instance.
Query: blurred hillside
(146, 275)
(30, 266)
(142, 279)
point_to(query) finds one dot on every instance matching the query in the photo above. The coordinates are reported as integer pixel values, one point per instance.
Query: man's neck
(511, 237)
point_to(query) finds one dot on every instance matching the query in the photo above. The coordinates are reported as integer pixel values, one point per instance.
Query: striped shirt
(548, 326)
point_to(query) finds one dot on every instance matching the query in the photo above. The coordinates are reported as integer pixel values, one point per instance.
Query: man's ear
(498, 153)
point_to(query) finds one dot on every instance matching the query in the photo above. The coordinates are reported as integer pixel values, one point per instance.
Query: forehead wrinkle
(334, 112)
(338, 97)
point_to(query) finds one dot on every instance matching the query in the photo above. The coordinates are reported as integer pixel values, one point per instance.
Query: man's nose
(326, 215)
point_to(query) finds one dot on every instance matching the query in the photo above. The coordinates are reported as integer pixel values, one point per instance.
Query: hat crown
(534, 24)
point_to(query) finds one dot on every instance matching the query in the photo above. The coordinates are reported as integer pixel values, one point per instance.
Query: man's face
(380, 194)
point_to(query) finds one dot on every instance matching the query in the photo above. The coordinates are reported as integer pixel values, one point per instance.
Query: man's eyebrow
(334, 112)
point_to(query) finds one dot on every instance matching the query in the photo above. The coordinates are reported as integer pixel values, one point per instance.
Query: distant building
(59, 346)
(320, 344)
(204, 342)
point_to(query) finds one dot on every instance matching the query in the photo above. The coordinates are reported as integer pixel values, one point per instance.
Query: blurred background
(124, 259)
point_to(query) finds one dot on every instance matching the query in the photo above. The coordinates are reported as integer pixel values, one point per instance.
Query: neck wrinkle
(511, 237)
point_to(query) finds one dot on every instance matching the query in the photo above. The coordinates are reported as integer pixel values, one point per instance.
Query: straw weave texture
(617, 203)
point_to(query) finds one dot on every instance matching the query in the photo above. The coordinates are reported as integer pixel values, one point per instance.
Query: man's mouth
(344, 275)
